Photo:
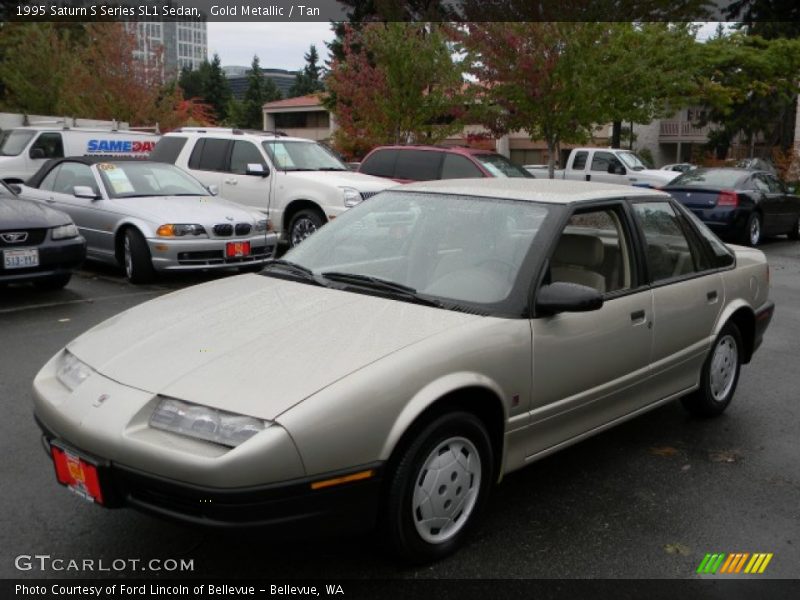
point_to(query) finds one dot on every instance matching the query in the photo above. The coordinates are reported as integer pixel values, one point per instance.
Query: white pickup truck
(608, 165)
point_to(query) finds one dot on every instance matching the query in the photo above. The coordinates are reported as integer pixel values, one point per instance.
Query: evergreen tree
(216, 90)
(308, 80)
(260, 89)
(192, 81)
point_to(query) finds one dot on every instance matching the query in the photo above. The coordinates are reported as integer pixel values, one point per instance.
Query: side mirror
(616, 169)
(567, 297)
(256, 169)
(37, 153)
(15, 187)
(84, 191)
(213, 189)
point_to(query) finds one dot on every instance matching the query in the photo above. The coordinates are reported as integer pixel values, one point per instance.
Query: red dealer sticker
(77, 473)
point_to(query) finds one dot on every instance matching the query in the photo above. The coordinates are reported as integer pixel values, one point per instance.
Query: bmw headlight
(180, 230)
(65, 232)
(351, 196)
(72, 371)
(262, 225)
(204, 423)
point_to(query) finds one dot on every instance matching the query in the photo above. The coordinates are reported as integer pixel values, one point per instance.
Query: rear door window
(210, 154)
(579, 162)
(669, 254)
(380, 163)
(456, 166)
(418, 165)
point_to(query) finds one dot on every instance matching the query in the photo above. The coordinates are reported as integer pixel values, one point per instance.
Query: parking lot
(647, 499)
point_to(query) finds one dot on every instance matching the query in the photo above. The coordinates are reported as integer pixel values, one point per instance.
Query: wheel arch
(470, 393)
(295, 206)
(119, 236)
(742, 315)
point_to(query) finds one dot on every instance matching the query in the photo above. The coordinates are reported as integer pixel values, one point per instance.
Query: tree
(532, 78)
(216, 90)
(398, 82)
(193, 81)
(249, 113)
(308, 81)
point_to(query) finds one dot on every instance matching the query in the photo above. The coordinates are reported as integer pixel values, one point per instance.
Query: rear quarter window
(380, 163)
(167, 149)
(418, 165)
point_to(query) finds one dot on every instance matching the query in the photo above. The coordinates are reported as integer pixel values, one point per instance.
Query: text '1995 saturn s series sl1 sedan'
(396, 364)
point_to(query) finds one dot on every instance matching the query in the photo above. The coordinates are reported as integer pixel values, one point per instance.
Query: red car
(405, 164)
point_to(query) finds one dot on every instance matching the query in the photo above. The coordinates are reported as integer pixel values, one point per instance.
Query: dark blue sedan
(739, 204)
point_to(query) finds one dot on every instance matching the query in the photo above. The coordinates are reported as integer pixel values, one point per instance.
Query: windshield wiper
(332, 169)
(397, 290)
(294, 269)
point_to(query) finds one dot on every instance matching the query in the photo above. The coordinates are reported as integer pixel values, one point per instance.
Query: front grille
(243, 228)
(34, 238)
(223, 229)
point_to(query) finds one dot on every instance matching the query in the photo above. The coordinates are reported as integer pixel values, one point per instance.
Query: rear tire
(751, 236)
(720, 375)
(55, 282)
(794, 234)
(136, 258)
(438, 488)
(303, 224)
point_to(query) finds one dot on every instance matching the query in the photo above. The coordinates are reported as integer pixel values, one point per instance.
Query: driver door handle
(638, 317)
(231, 181)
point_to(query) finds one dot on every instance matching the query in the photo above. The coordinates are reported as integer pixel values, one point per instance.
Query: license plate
(237, 249)
(77, 473)
(21, 259)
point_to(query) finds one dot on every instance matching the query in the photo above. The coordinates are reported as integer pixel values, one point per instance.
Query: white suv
(298, 183)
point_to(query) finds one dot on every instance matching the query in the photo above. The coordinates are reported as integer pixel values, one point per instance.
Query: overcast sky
(278, 45)
(282, 45)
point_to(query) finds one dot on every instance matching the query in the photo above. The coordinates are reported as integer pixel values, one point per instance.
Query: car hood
(359, 181)
(656, 175)
(17, 213)
(254, 345)
(183, 209)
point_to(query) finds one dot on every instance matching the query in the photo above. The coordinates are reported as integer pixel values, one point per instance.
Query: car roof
(557, 191)
(452, 149)
(235, 133)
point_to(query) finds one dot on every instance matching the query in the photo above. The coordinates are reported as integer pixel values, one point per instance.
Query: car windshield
(500, 166)
(456, 249)
(142, 179)
(302, 156)
(13, 141)
(709, 178)
(631, 161)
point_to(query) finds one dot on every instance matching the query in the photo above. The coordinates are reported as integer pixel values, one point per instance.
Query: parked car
(608, 165)
(149, 217)
(38, 244)
(405, 164)
(23, 150)
(740, 204)
(432, 340)
(298, 182)
(680, 167)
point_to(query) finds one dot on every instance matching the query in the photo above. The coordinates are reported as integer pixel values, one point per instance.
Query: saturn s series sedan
(398, 363)
(148, 217)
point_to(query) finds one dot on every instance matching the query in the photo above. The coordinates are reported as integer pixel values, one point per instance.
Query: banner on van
(99, 146)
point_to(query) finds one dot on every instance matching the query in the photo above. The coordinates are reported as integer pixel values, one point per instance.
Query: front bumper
(170, 254)
(55, 258)
(288, 508)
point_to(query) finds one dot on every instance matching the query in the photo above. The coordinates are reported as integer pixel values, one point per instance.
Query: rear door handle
(712, 296)
(232, 181)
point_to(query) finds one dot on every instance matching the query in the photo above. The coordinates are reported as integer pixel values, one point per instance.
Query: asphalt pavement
(647, 499)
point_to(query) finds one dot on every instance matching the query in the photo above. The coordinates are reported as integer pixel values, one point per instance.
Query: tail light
(728, 198)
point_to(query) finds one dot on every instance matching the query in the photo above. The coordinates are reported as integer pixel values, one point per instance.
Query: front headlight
(72, 371)
(204, 423)
(180, 230)
(351, 196)
(262, 225)
(64, 232)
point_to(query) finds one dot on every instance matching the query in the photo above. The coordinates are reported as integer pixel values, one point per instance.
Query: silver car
(429, 341)
(148, 217)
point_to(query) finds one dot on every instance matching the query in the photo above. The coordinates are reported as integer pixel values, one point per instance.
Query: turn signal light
(166, 231)
(344, 479)
(728, 198)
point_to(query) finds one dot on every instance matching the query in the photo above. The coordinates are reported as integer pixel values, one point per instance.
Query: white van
(24, 149)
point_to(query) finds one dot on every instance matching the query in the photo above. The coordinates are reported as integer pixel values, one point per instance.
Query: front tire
(438, 488)
(720, 375)
(794, 234)
(303, 224)
(136, 258)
